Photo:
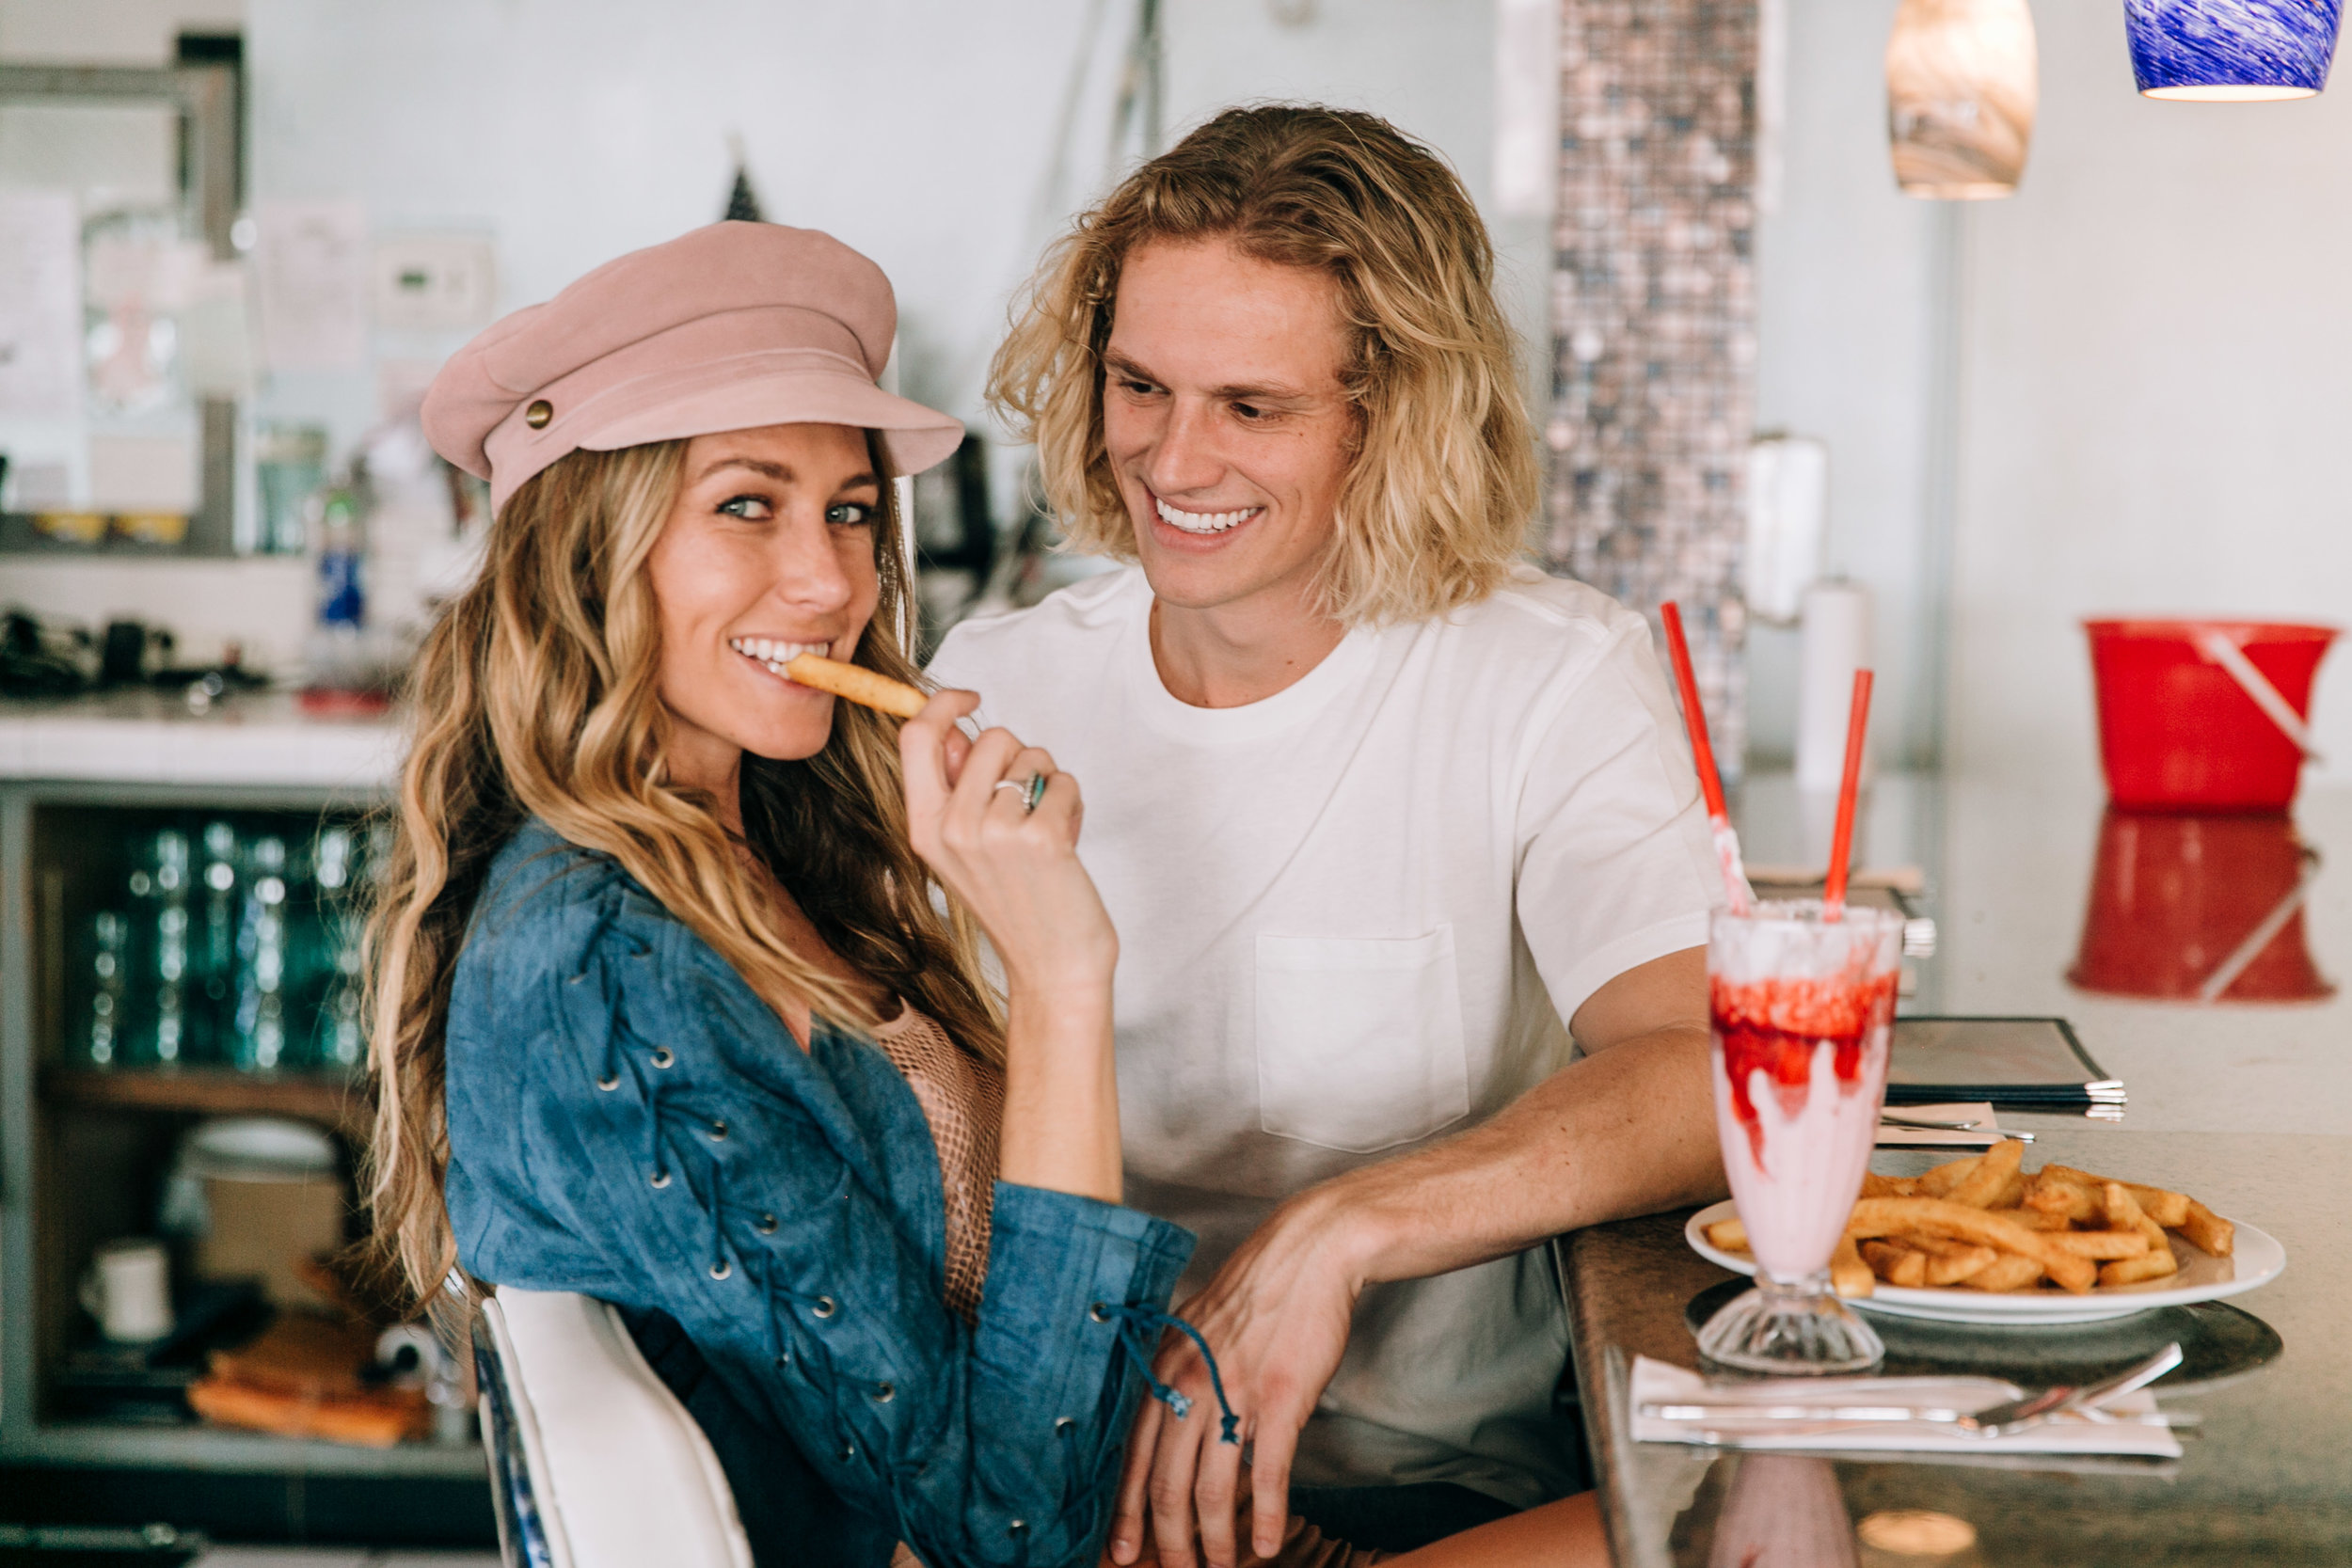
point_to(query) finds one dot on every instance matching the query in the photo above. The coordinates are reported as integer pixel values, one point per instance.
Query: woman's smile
(772, 653)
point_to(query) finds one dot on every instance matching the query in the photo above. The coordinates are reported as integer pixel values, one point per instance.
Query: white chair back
(594, 1463)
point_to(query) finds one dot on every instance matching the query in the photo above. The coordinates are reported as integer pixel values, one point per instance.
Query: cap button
(538, 414)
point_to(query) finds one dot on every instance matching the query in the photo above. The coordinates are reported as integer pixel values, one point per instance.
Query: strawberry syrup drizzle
(1775, 1026)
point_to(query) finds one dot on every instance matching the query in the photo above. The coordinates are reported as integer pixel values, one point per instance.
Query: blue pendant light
(2232, 50)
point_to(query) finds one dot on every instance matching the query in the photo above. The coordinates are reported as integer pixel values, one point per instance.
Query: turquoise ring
(1032, 789)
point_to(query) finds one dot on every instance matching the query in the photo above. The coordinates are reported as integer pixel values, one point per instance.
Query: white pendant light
(1960, 88)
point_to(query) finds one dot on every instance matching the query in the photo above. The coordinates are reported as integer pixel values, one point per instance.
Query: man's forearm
(1630, 1131)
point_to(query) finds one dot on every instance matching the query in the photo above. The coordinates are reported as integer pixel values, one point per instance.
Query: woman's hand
(1017, 870)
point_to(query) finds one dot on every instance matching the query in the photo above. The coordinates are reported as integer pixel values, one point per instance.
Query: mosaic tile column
(1653, 313)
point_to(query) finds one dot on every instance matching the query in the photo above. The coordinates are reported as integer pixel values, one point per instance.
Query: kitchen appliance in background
(955, 540)
(258, 1197)
(128, 653)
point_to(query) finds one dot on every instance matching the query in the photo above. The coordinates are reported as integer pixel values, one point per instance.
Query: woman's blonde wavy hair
(1442, 487)
(535, 693)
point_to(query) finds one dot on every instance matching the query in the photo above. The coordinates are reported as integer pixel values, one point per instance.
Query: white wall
(2154, 364)
(919, 131)
(2157, 380)
(1845, 319)
(570, 131)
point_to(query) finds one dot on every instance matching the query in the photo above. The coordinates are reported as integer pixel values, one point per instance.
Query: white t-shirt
(1352, 918)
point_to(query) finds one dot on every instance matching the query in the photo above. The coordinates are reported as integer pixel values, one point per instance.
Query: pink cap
(729, 327)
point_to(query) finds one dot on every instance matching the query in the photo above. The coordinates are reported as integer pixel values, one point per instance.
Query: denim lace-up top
(628, 1120)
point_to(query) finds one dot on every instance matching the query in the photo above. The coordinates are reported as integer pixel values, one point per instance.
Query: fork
(2002, 1420)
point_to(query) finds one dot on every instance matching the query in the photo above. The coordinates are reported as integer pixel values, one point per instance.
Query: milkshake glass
(1802, 1010)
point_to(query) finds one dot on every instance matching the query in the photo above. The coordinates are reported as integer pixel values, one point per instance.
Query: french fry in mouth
(857, 684)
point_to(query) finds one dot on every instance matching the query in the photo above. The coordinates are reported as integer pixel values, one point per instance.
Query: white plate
(2257, 1259)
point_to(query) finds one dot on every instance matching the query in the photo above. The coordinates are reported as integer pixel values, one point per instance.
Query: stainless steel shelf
(212, 1448)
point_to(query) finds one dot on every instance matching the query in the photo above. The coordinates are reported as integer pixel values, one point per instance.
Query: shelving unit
(82, 1148)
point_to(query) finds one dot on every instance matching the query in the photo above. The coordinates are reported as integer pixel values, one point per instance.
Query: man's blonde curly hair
(1443, 482)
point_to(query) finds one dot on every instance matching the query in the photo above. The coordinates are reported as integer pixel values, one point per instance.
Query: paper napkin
(1983, 1136)
(2125, 1429)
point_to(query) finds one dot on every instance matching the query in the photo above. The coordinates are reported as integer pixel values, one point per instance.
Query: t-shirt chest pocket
(1359, 1039)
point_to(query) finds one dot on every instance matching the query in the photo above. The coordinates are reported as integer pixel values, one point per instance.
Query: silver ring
(1032, 789)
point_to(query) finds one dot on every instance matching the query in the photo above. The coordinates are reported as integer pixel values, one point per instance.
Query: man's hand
(1628, 1129)
(1277, 1317)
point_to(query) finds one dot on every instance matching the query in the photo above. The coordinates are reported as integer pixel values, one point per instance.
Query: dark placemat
(2218, 1342)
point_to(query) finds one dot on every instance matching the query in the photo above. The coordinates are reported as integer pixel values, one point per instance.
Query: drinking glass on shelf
(257, 1031)
(338, 870)
(110, 986)
(213, 956)
(1802, 1013)
(156, 1029)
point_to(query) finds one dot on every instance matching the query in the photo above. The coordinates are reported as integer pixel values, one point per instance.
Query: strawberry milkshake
(1803, 1010)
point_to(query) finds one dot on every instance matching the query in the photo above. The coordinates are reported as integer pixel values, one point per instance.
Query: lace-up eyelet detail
(660, 1179)
(1019, 1527)
(1099, 1313)
(722, 1269)
(885, 1392)
(1062, 1425)
(767, 1226)
(718, 1132)
(663, 1056)
(610, 1082)
(826, 1307)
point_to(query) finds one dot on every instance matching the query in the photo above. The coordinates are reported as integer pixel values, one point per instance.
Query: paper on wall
(312, 271)
(215, 335)
(41, 306)
(143, 473)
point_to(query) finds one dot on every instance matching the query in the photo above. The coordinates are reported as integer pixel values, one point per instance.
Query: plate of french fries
(1985, 1241)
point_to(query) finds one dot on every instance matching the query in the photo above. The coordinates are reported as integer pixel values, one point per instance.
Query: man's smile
(1203, 522)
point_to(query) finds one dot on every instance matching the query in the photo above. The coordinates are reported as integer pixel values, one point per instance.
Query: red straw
(1693, 717)
(1703, 757)
(1849, 787)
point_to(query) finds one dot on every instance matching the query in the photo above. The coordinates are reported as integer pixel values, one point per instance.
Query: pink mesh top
(963, 1101)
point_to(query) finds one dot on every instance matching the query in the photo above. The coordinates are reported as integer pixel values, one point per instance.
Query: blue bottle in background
(339, 525)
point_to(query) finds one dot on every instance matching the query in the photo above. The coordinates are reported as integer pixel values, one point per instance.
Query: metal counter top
(261, 739)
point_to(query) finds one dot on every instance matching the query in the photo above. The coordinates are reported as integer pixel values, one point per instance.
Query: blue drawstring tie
(1139, 1330)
